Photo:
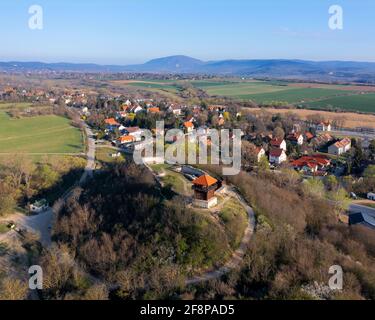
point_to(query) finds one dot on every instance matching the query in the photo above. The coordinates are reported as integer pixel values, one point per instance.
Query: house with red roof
(188, 126)
(340, 147)
(314, 164)
(296, 138)
(135, 132)
(124, 140)
(153, 110)
(278, 143)
(277, 156)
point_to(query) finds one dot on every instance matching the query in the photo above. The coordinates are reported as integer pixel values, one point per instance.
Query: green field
(324, 96)
(359, 102)
(39, 135)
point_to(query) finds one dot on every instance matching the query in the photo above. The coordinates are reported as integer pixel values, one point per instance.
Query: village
(313, 149)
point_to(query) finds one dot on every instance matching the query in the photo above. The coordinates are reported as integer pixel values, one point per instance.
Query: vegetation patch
(42, 134)
(234, 217)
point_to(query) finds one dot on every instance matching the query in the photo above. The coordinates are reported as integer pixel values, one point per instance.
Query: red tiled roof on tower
(205, 181)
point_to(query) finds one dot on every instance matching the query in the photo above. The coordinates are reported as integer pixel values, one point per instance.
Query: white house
(324, 126)
(39, 206)
(176, 110)
(340, 147)
(278, 144)
(136, 109)
(260, 152)
(277, 156)
(296, 138)
(135, 132)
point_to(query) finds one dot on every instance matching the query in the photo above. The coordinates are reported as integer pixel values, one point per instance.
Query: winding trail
(237, 257)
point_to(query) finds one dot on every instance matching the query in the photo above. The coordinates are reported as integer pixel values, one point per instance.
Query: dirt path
(237, 257)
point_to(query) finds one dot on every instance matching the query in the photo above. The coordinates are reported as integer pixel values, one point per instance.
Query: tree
(340, 198)
(279, 133)
(369, 172)
(263, 164)
(248, 154)
(7, 201)
(372, 149)
(314, 187)
(331, 182)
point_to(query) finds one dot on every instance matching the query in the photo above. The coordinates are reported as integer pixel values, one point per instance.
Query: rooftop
(205, 181)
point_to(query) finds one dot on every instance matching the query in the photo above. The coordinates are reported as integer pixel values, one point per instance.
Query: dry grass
(351, 119)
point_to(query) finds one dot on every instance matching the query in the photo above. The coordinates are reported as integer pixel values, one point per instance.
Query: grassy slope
(43, 134)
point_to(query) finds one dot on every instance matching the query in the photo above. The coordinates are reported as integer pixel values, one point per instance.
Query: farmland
(307, 95)
(359, 102)
(38, 135)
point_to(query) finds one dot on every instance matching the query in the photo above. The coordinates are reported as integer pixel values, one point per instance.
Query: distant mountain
(173, 64)
(276, 68)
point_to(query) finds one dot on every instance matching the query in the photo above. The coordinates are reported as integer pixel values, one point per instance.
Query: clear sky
(132, 31)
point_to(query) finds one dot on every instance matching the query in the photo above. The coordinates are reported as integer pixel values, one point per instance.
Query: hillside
(275, 68)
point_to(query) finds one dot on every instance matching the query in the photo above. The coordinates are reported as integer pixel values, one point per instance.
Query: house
(121, 114)
(278, 143)
(296, 138)
(371, 196)
(216, 108)
(153, 110)
(176, 110)
(322, 140)
(277, 156)
(136, 109)
(188, 126)
(314, 165)
(135, 132)
(324, 126)
(340, 147)
(308, 136)
(39, 206)
(111, 124)
(259, 153)
(124, 140)
(204, 191)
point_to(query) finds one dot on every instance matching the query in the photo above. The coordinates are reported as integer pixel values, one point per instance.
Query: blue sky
(133, 31)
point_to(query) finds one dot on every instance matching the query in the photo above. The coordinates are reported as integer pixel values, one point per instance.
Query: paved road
(363, 135)
(42, 223)
(362, 208)
(239, 254)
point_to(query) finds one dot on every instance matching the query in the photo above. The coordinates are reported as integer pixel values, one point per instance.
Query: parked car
(353, 196)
